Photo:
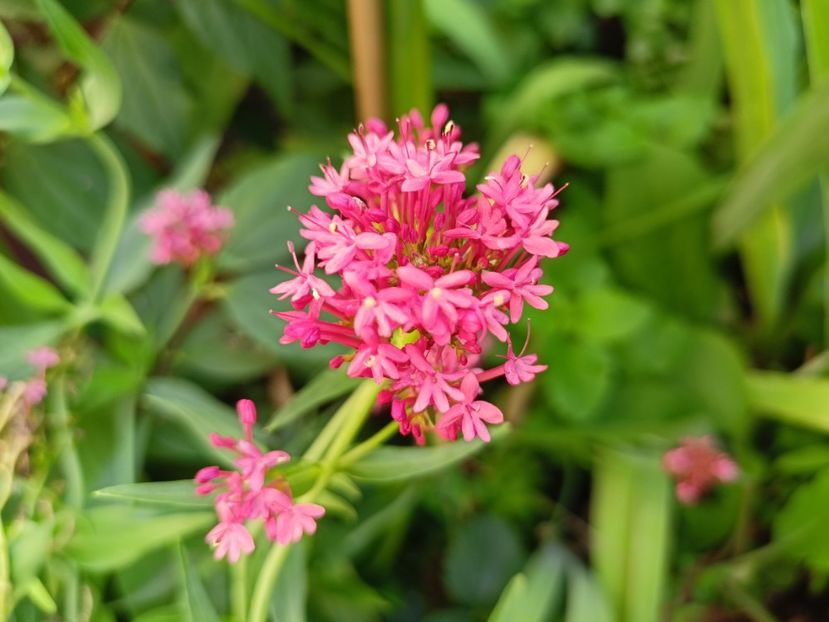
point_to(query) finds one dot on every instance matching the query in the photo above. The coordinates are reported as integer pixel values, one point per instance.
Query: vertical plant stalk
(331, 445)
(10, 447)
(410, 67)
(816, 29)
(365, 31)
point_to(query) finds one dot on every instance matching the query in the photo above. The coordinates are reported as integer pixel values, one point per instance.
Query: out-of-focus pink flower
(698, 466)
(248, 494)
(426, 273)
(185, 227)
(43, 358)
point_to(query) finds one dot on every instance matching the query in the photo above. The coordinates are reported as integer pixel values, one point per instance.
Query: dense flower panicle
(698, 466)
(247, 494)
(425, 273)
(185, 227)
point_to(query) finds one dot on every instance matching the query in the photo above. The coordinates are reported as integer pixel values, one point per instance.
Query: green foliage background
(694, 138)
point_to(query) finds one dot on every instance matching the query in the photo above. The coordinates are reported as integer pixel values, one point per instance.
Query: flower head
(697, 465)
(185, 227)
(250, 493)
(426, 272)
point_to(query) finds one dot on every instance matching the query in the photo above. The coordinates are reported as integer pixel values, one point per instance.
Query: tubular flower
(698, 466)
(185, 227)
(248, 493)
(426, 274)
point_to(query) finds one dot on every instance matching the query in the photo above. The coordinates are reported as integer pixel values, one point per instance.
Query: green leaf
(99, 545)
(17, 341)
(6, 58)
(244, 42)
(288, 601)
(475, 574)
(100, 86)
(116, 311)
(197, 605)
(33, 117)
(793, 399)
(535, 593)
(758, 40)
(586, 601)
(799, 528)
(815, 25)
(59, 258)
(578, 378)
(784, 162)
(392, 464)
(630, 514)
(29, 289)
(468, 27)
(610, 314)
(326, 386)
(157, 108)
(175, 493)
(259, 201)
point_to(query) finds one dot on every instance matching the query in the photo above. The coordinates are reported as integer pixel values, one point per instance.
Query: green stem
(368, 445)
(69, 460)
(239, 577)
(115, 215)
(5, 582)
(337, 436)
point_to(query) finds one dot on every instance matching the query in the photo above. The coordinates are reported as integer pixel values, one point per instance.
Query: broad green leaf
(99, 545)
(288, 601)
(609, 314)
(157, 108)
(326, 386)
(32, 117)
(100, 86)
(260, 201)
(197, 605)
(174, 493)
(245, 43)
(116, 311)
(758, 43)
(534, 594)
(59, 258)
(29, 289)
(578, 379)
(410, 68)
(799, 528)
(29, 549)
(391, 464)
(803, 460)
(546, 83)
(71, 191)
(794, 399)
(467, 25)
(585, 600)
(789, 158)
(630, 515)
(475, 574)
(703, 73)
(6, 58)
(815, 26)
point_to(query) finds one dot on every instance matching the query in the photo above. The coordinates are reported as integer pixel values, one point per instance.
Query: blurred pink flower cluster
(426, 273)
(185, 227)
(698, 466)
(246, 494)
(42, 359)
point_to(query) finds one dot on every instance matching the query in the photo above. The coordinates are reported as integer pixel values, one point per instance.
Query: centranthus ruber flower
(185, 227)
(252, 492)
(425, 273)
(698, 466)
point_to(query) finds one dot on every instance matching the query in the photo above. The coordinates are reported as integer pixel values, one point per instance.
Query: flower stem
(239, 578)
(368, 445)
(330, 446)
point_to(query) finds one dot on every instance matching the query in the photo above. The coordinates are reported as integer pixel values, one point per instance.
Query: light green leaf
(175, 493)
(534, 594)
(117, 311)
(585, 600)
(578, 378)
(17, 341)
(6, 58)
(289, 597)
(610, 314)
(326, 386)
(58, 257)
(33, 117)
(794, 399)
(198, 607)
(800, 527)
(29, 289)
(815, 26)
(100, 85)
(392, 464)
(469, 28)
(99, 545)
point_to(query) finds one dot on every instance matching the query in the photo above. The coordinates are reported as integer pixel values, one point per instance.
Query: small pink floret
(698, 466)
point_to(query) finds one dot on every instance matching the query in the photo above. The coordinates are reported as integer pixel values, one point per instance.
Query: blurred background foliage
(693, 137)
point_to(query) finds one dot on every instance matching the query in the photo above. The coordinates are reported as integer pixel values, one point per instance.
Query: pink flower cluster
(41, 359)
(185, 227)
(698, 466)
(247, 494)
(426, 273)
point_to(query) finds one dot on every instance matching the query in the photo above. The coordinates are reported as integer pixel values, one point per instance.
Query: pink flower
(185, 227)
(43, 358)
(426, 274)
(698, 466)
(230, 540)
(250, 493)
(469, 415)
